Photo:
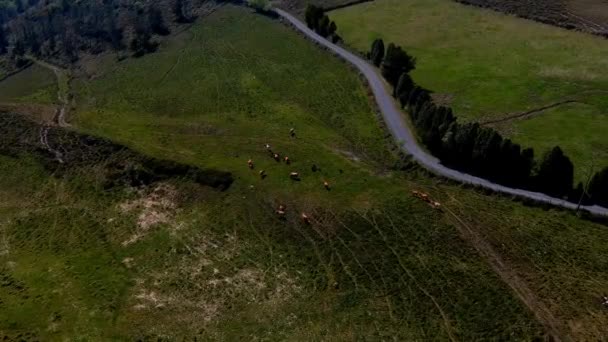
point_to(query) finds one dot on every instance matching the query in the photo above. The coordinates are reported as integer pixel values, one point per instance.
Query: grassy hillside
(223, 90)
(490, 66)
(176, 260)
(33, 85)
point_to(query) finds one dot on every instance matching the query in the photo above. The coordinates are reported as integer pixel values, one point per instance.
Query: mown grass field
(488, 65)
(176, 260)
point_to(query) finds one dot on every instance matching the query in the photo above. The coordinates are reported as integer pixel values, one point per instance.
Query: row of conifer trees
(478, 150)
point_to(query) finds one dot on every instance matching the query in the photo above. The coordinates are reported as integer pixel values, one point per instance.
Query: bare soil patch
(152, 209)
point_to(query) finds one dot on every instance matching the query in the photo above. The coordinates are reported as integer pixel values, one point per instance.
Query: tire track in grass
(179, 57)
(537, 241)
(386, 287)
(405, 242)
(353, 254)
(444, 316)
(319, 255)
(336, 252)
(529, 113)
(542, 313)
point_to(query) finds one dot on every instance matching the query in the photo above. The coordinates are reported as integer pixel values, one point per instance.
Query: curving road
(406, 140)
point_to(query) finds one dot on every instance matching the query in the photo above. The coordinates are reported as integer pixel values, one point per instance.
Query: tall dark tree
(527, 165)
(598, 188)
(403, 88)
(555, 173)
(142, 43)
(331, 31)
(19, 6)
(486, 150)
(323, 27)
(181, 12)
(313, 16)
(396, 61)
(377, 52)
(157, 23)
(3, 41)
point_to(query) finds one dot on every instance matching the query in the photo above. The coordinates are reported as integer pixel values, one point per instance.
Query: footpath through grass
(488, 65)
(176, 260)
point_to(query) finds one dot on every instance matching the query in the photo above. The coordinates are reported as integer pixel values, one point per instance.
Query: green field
(177, 261)
(488, 65)
(33, 85)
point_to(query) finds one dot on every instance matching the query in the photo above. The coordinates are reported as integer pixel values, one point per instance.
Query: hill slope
(175, 260)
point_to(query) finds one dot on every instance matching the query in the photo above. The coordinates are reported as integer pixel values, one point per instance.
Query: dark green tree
(403, 88)
(181, 12)
(396, 61)
(486, 150)
(18, 49)
(323, 27)
(157, 23)
(3, 42)
(464, 141)
(332, 29)
(313, 16)
(555, 173)
(377, 52)
(19, 6)
(142, 43)
(598, 188)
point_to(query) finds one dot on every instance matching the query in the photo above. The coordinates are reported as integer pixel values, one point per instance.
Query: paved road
(402, 133)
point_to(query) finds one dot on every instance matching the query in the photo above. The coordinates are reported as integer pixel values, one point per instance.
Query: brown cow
(305, 218)
(326, 185)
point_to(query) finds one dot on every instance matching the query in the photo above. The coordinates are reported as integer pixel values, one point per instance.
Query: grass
(80, 262)
(33, 85)
(488, 65)
(218, 95)
(237, 273)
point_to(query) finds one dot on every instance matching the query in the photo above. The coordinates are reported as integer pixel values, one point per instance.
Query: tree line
(318, 21)
(63, 29)
(477, 150)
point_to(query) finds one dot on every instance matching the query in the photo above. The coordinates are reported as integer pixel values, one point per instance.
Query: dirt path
(63, 95)
(528, 113)
(63, 90)
(44, 141)
(509, 276)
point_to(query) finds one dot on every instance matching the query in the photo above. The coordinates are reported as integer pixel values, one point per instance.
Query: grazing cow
(305, 218)
(281, 211)
(326, 185)
(294, 176)
(276, 157)
(262, 174)
(287, 160)
(292, 132)
(267, 147)
(250, 164)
